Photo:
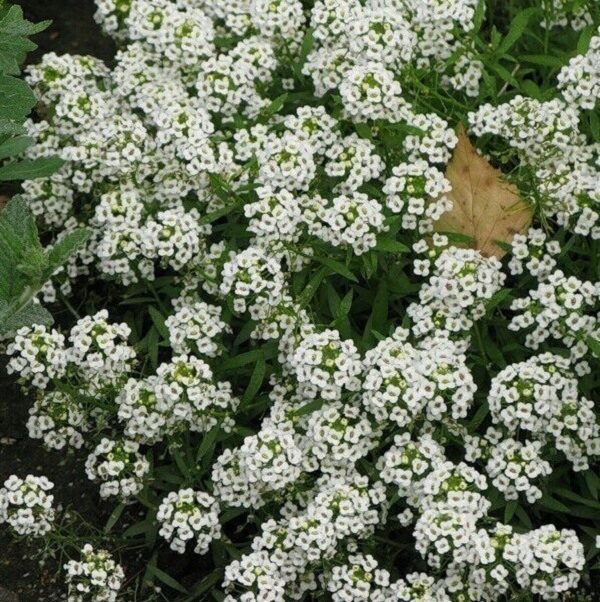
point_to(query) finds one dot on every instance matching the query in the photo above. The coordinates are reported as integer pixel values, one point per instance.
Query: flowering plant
(295, 365)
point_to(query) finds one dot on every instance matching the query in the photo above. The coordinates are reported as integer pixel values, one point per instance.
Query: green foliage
(25, 265)
(16, 97)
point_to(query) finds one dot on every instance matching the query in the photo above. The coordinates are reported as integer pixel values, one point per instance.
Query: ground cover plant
(334, 329)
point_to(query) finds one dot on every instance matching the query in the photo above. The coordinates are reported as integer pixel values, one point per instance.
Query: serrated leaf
(33, 313)
(485, 207)
(8, 127)
(62, 250)
(29, 169)
(16, 98)
(14, 146)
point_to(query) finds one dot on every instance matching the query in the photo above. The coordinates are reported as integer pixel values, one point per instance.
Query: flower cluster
(562, 308)
(26, 506)
(119, 467)
(302, 361)
(95, 578)
(189, 515)
(540, 397)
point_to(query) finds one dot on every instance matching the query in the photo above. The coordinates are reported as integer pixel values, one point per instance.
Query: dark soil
(73, 31)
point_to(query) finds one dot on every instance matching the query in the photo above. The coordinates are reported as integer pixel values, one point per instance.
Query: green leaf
(516, 29)
(159, 321)
(137, 529)
(345, 305)
(207, 583)
(240, 360)
(152, 341)
(274, 107)
(208, 443)
(337, 267)
(15, 146)
(510, 509)
(256, 380)
(583, 43)
(166, 579)
(14, 46)
(8, 127)
(64, 248)
(594, 346)
(114, 517)
(391, 246)
(311, 288)
(18, 240)
(550, 503)
(180, 461)
(309, 408)
(479, 416)
(16, 98)
(546, 60)
(30, 169)
(30, 314)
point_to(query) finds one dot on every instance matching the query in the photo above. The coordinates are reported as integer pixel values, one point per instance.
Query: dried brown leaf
(485, 207)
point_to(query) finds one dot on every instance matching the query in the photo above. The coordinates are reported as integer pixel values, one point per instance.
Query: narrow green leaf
(114, 517)
(510, 509)
(159, 321)
(208, 442)
(391, 246)
(167, 579)
(516, 29)
(256, 380)
(337, 267)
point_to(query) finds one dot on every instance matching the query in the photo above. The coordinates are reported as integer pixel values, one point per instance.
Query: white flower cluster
(25, 505)
(264, 463)
(59, 420)
(548, 560)
(98, 356)
(534, 253)
(203, 160)
(561, 307)
(403, 383)
(547, 139)
(186, 515)
(75, 378)
(540, 397)
(461, 282)
(119, 467)
(580, 79)
(94, 578)
(39, 355)
(182, 395)
(513, 466)
(360, 49)
(194, 327)
(326, 364)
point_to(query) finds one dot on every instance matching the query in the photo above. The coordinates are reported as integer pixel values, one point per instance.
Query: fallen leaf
(486, 208)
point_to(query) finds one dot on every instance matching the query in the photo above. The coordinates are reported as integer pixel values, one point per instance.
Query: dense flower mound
(295, 370)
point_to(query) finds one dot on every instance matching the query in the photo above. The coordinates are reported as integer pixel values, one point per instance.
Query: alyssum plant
(306, 354)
